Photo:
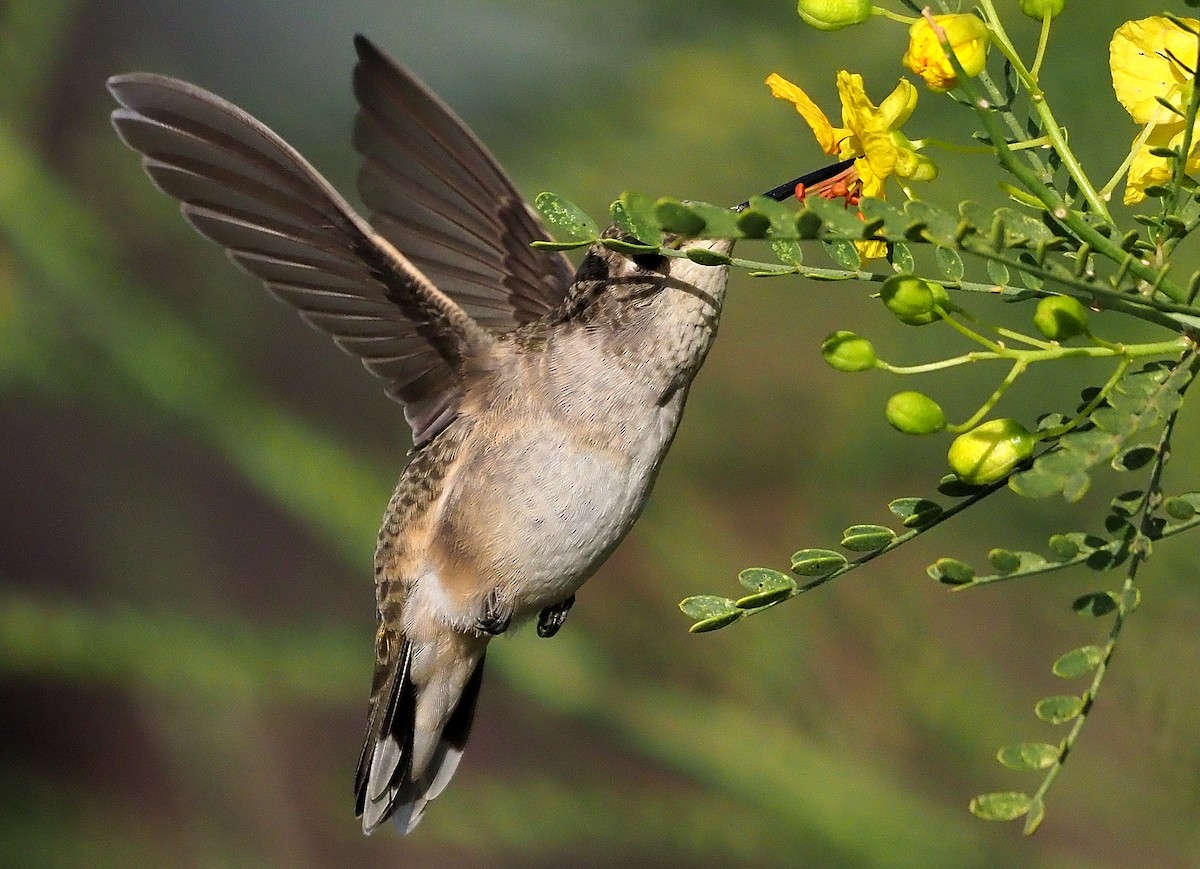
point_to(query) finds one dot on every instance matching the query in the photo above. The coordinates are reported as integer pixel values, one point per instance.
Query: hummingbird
(542, 398)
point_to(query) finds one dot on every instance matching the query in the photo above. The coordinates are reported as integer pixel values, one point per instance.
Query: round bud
(1038, 8)
(914, 413)
(989, 451)
(846, 351)
(912, 300)
(833, 14)
(1060, 317)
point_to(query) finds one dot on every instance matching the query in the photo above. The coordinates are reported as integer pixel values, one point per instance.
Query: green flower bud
(833, 14)
(1038, 8)
(989, 451)
(913, 300)
(1060, 317)
(846, 351)
(914, 413)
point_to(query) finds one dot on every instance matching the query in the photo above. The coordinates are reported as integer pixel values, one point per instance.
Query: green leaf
(1183, 507)
(915, 512)
(1097, 604)
(816, 562)
(630, 248)
(788, 251)
(951, 571)
(706, 606)
(675, 216)
(753, 224)
(540, 244)
(844, 253)
(1036, 483)
(716, 622)
(718, 222)
(998, 273)
(837, 220)
(901, 258)
(949, 262)
(941, 226)
(1064, 546)
(764, 598)
(759, 579)
(1003, 806)
(1034, 816)
(1004, 560)
(635, 214)
(1078, 662)
(1059, 709)
(1134, 458)
(867, 538)
(1029, 755)
(706, 257)
(566, 220)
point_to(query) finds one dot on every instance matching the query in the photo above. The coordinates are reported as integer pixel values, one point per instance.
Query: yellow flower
(967, 35)
(1152, 59)
(870, 133)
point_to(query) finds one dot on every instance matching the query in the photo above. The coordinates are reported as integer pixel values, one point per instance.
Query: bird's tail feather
(387, 784)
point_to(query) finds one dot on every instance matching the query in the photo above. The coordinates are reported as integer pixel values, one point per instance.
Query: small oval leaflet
(844, 253)
(1028, 755)
(901, 258)
(1034, 817)
(565, 219)
(1059, 709)
(949, 262)
(674, 216)
(915, 511)
(715, 622)
(1078, 662)
(706, 257)
(817, 562)
(951, 571)
(760, 579)
(1096, 604)
(1003, 806)
(867, 538)
(1133, 458)
(1182, 507)
(706, 606)
(634, 213)
(1004, 560)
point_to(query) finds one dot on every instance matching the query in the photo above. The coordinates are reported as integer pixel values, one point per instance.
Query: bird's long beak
(812, 183)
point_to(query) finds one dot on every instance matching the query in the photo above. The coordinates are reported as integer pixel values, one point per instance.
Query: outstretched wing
(242, 186)
(436, 193)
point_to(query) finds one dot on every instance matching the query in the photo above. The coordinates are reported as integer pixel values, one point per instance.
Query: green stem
(1043, 40)
(1038, 101)
(1016, 371)
(1086, 412)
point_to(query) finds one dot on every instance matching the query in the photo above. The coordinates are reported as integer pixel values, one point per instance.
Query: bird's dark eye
(649, 262)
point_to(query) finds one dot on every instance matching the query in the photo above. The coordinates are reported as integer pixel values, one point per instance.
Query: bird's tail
(421, 713)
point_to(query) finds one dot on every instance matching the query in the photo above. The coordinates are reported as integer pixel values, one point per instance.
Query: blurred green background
(192, 481)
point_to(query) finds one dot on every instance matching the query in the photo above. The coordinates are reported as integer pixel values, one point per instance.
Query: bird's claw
(552, 617)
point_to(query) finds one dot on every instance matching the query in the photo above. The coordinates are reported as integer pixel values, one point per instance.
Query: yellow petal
(967, 35)
(1140, 59)
(813, 116)
(868, 125)
(899, 104)
(1146, 168)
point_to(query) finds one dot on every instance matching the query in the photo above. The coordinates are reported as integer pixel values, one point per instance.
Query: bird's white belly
(566, 504)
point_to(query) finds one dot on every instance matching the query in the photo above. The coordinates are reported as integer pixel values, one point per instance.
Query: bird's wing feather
(242, 186)
(436, 193)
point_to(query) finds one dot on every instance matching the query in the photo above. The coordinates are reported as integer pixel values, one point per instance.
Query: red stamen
(800, 192)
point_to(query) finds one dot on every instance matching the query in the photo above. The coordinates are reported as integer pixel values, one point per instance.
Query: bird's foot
(492, 622)
(552, 617)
